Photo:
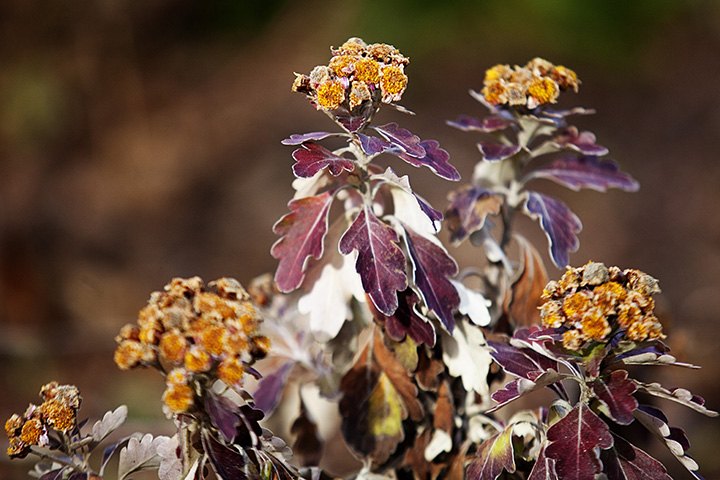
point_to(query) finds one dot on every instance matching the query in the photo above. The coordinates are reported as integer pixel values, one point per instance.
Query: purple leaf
(56, 474)
(405, 321)
(374, 145)
(434, 215)
(431, 268)
(435, 158)
(469, 206)
(586, 172)
(351, 124)
(489, 124)
(584, 142)
(380, 262)
(302, 231)
(627, 462)
(522, 362)
(494, 454)
(522, 386)
(616, 394)
(312, 158)
(227, 462)
(574, 443)
(222, 415)
(544, 468)
(678, 395)
(559, 224)
(674, 438)
(402, 138)
(270, 388)
(493, 152)
(298, 139)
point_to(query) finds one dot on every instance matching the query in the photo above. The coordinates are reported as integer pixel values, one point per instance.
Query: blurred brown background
(140, 141)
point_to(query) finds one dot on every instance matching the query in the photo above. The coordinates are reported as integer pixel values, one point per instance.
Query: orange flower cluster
(195, 337)
(537, 83)
(57, 412)
(358, 73)
(594, 302)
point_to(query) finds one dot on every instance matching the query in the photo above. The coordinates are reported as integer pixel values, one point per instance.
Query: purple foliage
(584, 142)
(432, 267)
(616, 393)
(406, 322)
(559, 224)
(465, 213)
(489, 124)
(522, 362)
(494, 152)
(222, 413)
(374, 145)
(586, 172)
(270, 388)
(435, 158)
(298, 139)
(380, 262)
(312, 158)
(574, 441)
(302, 231)
(402, 138)
(627, 462)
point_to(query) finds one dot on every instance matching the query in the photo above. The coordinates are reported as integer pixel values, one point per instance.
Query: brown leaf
(308, 444)
(427, 373)
(444, 409)
(522, 299)
(377, 396)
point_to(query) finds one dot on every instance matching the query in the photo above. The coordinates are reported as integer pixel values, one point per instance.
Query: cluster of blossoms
(58, 412)
(195, 337)
(594, 303)
(357, 75)
(537, 83)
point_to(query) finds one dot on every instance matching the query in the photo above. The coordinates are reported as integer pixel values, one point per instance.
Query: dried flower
(538, 83)
(357, 73)
(592, 302)
(196, 334)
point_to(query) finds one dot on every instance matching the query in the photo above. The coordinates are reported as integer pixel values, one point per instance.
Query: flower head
(194, 334)
(593, 302)
(538, 83)
(358, 74)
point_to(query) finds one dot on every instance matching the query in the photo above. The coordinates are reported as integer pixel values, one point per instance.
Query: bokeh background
(140, 141)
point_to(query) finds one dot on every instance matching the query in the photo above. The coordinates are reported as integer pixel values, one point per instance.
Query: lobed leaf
(523, 362)
(435, 158)
(559, 224)
(109, 423)
(409, 207)
(374, 145)
(270, 388)
(522, 386)
(489, 124)
(402, 138)
(678, 395)
(299, 139)
(312, 158)
(615, 392)
(493, 456)
(302, 232)
(544, 468)
(585, 172)
(466, 355)
(227, 462)
(377, 396)
(432, 268)
(494, 152)
(468, 208)
(406, 321)
(380, 262)
(627, 462)
(139, 454)
(575, 441)
(672, 437)
(583, 142)
(523, 297)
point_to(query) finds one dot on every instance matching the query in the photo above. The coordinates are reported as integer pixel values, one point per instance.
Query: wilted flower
(592, 302)
(539, 82)
(197, 336)
(357, 73)
(57, 412)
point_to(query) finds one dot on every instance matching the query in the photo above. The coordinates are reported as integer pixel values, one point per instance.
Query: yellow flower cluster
(356, 74)
(58, 412)
(594, 302)
(195, 337)
(537, 83)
